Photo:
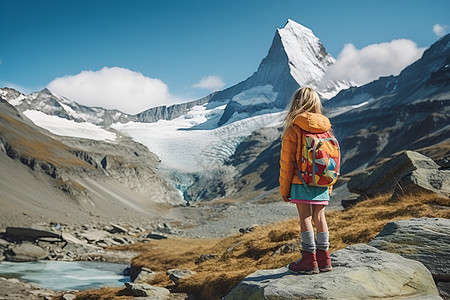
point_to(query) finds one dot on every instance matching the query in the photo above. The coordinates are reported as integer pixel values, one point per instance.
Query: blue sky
(180, 42)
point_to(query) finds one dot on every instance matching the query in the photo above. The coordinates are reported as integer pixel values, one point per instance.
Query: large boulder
(25, 252)
(423, 239)
(407, 173)
(31, 234)
(360, 272)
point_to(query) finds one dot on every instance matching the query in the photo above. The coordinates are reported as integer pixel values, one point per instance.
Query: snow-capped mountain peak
(308, 59)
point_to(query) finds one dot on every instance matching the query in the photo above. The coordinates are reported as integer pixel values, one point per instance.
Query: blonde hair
(304, 100)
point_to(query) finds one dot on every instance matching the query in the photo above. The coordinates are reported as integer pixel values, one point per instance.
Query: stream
(66, 275)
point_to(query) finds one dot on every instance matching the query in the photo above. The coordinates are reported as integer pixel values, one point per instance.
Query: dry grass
(240, 255)
(105, 293)
(436, 151)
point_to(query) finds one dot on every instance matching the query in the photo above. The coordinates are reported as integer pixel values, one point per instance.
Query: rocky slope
(66, 180)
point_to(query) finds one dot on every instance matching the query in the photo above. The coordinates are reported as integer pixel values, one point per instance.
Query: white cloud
(212, 83)
(114, 88)
(371, 62)
(440, 30)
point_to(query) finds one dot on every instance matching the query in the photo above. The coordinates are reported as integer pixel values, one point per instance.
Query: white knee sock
(323, 240)
(308, 244)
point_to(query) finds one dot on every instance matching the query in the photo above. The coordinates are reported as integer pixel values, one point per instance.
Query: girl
(305, 114)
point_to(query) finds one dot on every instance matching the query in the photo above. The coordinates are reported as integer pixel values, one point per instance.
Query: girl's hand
(286, 199)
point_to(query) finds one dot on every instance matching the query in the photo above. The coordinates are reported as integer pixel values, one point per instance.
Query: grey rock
(68, 297)
(75, 250)
(360, 272)
(145, 275)
(117, 228)
(246, 229)
(204, 257)
(25, 252)
(164, 228)
(287, 248)
(176, 274)
(156, 236)
(407, 173)
(102, 244)
(3, 243)
(119, 240)
(71, 239)
(424, 181)
(93, 235)
(31, 234)
(422, 239)
(110, 241)
(49, 240)
(146, 290)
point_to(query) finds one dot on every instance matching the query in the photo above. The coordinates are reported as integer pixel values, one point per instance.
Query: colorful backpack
(321, 159)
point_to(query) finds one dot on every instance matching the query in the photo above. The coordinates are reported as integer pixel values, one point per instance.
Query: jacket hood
(313, 122)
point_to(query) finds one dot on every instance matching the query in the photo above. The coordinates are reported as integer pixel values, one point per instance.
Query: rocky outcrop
(168, 112)
(142, 274)
(25, 252)
(176, 274)
(423, 239)
(407, 173)
(360, 272)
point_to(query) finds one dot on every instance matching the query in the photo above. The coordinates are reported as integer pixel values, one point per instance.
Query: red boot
(307, 264)
(323, 260)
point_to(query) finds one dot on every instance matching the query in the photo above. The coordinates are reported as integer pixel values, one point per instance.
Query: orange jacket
(291, 148)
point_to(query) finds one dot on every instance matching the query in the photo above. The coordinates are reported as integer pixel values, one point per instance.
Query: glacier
(183, 144)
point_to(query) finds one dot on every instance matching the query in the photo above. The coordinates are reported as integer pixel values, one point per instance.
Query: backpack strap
(301, 177)
(302, 132)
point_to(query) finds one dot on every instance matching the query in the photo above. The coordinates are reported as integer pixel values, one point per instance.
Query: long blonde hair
(304, 99)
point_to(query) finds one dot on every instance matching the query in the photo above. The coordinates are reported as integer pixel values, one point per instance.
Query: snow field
(64, 127)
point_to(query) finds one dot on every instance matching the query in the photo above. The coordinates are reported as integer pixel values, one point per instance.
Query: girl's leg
(318, 214)
(307, 264)
(321, 226)
(305, 215)
(306, 228)
(323, 256)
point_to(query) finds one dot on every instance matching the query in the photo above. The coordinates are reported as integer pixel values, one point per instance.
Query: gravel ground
(221, 220)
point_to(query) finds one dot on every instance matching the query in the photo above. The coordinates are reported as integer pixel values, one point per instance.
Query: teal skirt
(316, 194)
